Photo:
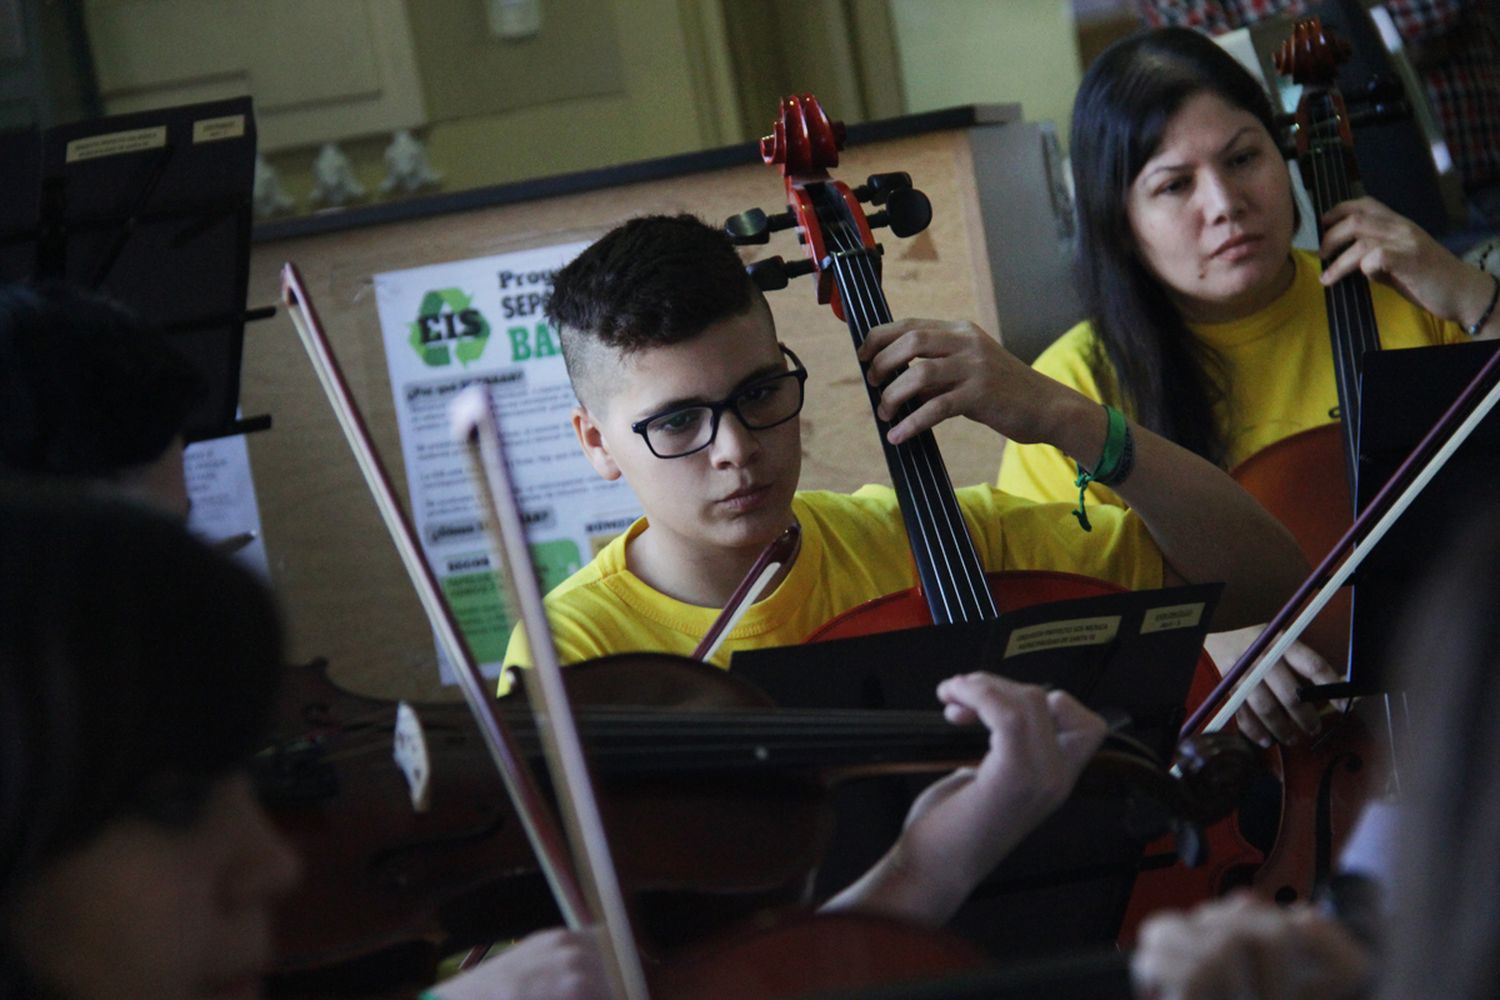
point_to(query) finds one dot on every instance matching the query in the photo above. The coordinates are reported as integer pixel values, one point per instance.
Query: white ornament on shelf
(406, 165)
(334, 183)
(269, 197)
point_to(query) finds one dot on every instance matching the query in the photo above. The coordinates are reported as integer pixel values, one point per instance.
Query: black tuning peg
(907, 212)
(755, 226)
(1380, 100)
(877, 188)
(773, 272)
(1382, 88)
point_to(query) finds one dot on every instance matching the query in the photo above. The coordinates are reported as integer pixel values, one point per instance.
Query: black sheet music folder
(1128, 654)
(1402, 394)
(152, 209)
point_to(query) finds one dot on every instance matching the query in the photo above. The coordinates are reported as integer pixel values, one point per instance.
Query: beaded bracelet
(1114, 465)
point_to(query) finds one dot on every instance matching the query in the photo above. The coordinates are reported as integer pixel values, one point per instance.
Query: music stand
(1066, 885)
(1402, 394)
(151, 209)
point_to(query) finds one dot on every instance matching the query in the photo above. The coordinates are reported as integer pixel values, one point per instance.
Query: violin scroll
(1204, 785)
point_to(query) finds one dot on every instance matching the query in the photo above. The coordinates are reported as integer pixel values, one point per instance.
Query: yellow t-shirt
(854, 549)
(1278, 365)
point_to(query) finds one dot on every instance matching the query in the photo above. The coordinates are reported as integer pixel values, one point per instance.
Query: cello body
(1283, 477)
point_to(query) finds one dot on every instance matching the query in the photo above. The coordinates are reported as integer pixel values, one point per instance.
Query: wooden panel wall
(337, 575)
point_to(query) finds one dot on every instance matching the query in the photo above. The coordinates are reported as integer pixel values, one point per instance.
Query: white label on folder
(1175, 616)
(115, 143)
(214, 129)
(1055, 635)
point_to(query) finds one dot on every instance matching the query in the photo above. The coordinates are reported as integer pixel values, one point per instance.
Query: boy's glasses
(759, 405)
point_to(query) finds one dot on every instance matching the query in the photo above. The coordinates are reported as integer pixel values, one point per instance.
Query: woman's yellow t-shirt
(1278, 365)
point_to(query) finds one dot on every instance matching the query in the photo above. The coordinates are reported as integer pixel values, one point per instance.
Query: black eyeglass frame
(716, 409)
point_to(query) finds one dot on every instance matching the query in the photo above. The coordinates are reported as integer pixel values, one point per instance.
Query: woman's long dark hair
(137, 667)
(1145, 357)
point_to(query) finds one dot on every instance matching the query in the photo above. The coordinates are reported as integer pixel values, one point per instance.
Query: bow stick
(536, 818)
(767, 565)
(473, 423)
(1406, 483)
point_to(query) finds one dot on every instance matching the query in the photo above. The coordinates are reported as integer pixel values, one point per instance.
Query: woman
(1204, 323)
(137, 673)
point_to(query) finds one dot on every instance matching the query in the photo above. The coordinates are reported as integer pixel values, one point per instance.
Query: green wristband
(1116, 447)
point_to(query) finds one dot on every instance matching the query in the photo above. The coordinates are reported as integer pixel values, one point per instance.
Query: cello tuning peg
(755, 226)
(907, 212)
(877, 188)
(774, 272)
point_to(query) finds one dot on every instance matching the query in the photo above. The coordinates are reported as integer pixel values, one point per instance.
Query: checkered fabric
(1452, 44)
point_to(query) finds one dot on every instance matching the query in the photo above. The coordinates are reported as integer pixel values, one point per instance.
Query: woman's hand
(1238, 947)
(1273, 711)
(1363, 235)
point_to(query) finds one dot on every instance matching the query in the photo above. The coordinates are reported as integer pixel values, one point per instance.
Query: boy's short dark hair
(87, 388)
(655, 280)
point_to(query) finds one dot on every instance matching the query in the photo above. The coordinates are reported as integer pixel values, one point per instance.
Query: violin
(720, 763)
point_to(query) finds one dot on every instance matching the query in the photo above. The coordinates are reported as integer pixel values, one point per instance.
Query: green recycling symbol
(445, 317)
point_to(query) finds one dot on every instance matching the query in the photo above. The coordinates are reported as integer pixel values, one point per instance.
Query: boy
(684, 391)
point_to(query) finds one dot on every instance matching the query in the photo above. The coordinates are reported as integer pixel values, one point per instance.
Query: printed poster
(224, 511)
(446, 326)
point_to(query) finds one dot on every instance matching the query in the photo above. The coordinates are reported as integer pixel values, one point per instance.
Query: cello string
(917, 457)
(927, 540)
(962, 564)
(862, 313)
(1342, 336)
(957, 544)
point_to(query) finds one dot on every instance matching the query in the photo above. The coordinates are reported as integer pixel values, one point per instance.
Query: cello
(953, 585)
(1327, 782)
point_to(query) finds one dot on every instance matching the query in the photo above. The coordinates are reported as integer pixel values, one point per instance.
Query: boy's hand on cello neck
(957, 369)
(1205, 525)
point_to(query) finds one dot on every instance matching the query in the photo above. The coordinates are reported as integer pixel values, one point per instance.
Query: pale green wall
(653, 115)
(989, 51)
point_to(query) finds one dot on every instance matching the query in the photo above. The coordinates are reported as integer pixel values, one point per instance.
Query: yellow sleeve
(1039, 471)
(1017, 534)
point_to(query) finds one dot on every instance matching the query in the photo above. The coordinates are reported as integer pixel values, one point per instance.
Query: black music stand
(1402, 394)
(152, 209)
(1066, 886)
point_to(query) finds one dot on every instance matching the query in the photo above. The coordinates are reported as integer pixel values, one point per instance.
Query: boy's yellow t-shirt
(854, 549)
(1278, 366)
